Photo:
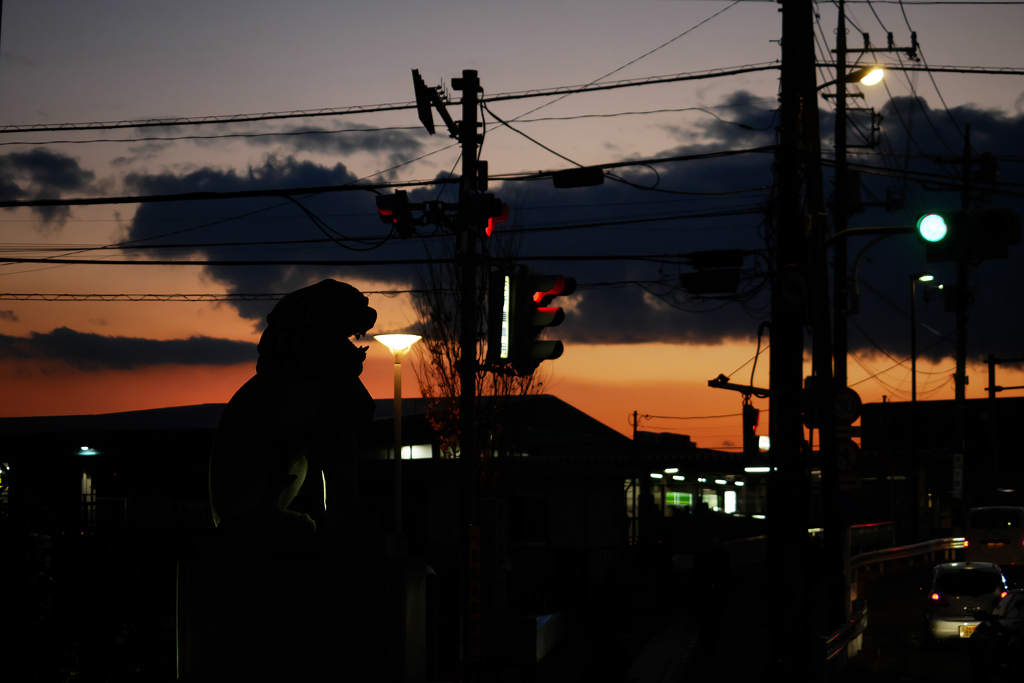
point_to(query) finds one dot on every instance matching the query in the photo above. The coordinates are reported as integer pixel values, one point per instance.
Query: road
(894, 645)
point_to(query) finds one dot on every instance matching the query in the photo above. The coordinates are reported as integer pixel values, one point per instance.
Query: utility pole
(839, 218)
(960, 378)
(843, 184)
(468, 258)
(787, 482)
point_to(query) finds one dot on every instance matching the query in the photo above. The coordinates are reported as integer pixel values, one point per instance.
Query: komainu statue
(298, 418)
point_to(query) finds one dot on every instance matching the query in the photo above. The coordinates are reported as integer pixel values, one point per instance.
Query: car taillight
(939, 600)
(995, 600)
(966, 543)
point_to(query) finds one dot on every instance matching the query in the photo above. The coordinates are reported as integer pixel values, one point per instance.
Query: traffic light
(486, 211)
(519, 310)
(968, 234)
(750, 419)
(395, 209)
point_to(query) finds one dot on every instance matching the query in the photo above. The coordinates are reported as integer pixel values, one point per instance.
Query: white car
(957, 590)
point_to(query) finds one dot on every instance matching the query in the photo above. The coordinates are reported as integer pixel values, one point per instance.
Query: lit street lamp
(916, 467)
(398, 344)
(914, 279)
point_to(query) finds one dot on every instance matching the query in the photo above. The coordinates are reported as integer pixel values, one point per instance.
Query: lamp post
(915, 465)
(914, 279)
(398, 344)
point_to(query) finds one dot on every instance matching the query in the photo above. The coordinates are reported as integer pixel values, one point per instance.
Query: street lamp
(915, 465)
(914, 279)
(873, 76)
(867, 75)
(398, 344)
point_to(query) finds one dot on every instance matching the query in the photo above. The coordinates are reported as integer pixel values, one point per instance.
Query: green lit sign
(678, 499)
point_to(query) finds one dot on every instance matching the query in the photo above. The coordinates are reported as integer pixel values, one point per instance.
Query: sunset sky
(635, 346)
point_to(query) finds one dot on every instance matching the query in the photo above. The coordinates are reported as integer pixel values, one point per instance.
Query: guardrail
(845, 638)
(842, 637)
(752, 550)
(880, 557)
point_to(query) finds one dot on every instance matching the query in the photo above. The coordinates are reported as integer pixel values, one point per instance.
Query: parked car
(997, 645)
(957, 591)
(994, 534)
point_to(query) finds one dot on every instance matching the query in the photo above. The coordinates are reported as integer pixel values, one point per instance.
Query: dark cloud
(628, 315)
(42, 174)
(740, 120)
(351, 214)
(682, 192)
(147, 150)
(9, 315)
(995, 322)
(394, 145)
(87, 351)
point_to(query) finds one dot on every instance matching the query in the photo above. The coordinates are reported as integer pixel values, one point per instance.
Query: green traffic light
(932, 227)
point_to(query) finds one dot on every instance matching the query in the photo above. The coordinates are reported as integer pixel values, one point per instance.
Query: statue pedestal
(320, 607)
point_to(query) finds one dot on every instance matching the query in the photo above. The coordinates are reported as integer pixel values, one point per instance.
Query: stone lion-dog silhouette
(297, 417)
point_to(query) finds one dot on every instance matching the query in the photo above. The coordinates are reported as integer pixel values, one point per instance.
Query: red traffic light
(395, 209)
(557, 285)
(500, 218)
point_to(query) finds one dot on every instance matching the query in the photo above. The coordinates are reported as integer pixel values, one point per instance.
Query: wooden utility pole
(787, 482)
(468, 257)
(839, 216)
(962, 295)
(469, 84)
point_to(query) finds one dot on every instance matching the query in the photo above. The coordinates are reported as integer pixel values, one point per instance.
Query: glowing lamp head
(397, 343)
(932, 227)
(925, 277)
(873, 77)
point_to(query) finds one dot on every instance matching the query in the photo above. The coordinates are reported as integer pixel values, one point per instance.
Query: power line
(237, 296)
(397, 106)
(8, 248)
(994, 70)
(288, 192)
(212, 137)
(268, 296)
(365, 214)
(386, 129)
(241, 194)
(655, 258)
(935, 2)
(699, 417)
(634, 61)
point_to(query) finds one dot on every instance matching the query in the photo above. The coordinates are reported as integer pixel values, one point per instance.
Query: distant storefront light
(701, 479)
(678, 498)
(739, 483)
(764, 443)
(721, 482)
(671, 470)
(85, 450)
(729, 504)
(679, 477)
(418, 452)
(757, 469)
(657, 475)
